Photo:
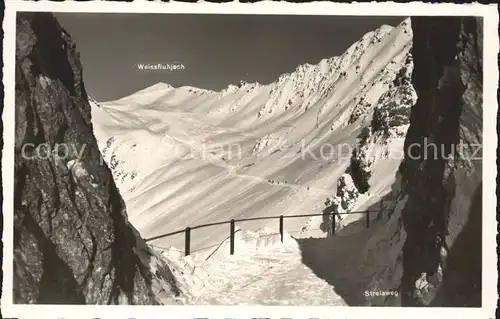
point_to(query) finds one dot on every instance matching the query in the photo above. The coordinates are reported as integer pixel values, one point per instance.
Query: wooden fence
(232, 227)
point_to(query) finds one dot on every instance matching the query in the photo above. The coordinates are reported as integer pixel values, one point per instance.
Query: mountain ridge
(375, 34)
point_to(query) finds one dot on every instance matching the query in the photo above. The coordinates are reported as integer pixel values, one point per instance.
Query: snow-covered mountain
(187, 156)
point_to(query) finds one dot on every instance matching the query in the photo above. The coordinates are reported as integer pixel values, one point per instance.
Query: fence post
(187, 248)
(281, 227)
(333, 225)
(367, 219)
(231, 247)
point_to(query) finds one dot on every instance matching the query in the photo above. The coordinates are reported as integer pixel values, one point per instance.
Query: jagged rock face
(389, 123)
(72, 241)
(392, 114)
(442, 215)
(347, 192)
(344, 200)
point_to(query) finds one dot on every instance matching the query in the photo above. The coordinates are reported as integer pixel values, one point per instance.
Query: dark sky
(216, 50)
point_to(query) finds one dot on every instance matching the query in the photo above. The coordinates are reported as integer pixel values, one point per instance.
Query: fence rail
(232, 227)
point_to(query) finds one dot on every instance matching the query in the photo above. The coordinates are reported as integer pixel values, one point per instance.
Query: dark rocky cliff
(441, 172)
(72, 241)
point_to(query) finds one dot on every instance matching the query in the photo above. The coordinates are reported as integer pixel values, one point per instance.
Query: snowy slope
(187, 156)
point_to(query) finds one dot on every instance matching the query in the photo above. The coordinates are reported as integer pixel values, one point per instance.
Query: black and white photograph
(243, 159)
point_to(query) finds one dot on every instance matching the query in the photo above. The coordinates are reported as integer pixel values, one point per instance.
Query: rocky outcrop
(391, 116)
(389, 123)
(342, 203)
(441, 172)
(347, 193)
(72, 241)
(346, 196)
(377, 142)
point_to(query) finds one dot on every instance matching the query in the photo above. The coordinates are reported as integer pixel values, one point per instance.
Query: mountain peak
(158, 87)
(161, 85)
